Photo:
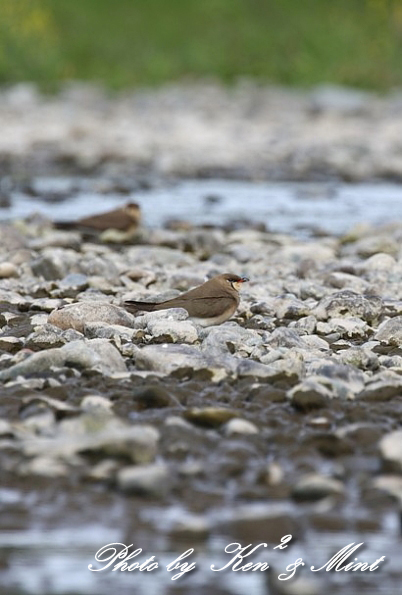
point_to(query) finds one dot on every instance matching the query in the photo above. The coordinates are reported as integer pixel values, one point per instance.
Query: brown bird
(125, 218)
(211, 303)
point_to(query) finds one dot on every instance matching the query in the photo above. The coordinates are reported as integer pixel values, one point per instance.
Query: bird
(126, 218)
(213, 302)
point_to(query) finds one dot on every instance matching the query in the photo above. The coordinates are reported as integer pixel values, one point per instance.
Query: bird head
(234, 280)
(133, 211)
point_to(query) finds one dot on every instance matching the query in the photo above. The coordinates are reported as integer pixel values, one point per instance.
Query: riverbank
(204, 130)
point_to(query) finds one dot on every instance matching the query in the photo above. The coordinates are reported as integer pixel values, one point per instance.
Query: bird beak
(244, 280)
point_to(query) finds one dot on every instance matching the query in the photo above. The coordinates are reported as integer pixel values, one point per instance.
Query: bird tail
(133, 306)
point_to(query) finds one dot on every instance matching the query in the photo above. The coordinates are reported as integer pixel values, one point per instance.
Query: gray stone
(352, 379)
(97, 354)
(76, 316)
(97, 432)
(390, 332)
(309, 394)
(47, 304)
(349, 303)
(175, 331)
(210, 417)
(229, 338)
(391, 484)
(44, 466)
(291, 307)
(100, 330)
(96, 402)
(371, 245)
(45, 338)
(379, 262)
(305, 325)
(147, 480)
(282, 372)
(359, 357)
(313, 487)
(10, 344)
(382, 387)
(171, 358)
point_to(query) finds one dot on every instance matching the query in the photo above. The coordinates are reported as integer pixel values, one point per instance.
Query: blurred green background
(127, 43)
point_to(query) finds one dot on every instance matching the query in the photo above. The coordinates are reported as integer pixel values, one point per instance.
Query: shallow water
(289, 207)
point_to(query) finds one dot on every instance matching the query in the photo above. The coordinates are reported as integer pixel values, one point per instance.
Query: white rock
(240, 426)
(178, 331)
(391, 449)
(8, 269)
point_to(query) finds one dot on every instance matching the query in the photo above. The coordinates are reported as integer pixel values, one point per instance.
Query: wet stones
(261, 523)
(210, 417)
(96, 432)
(314, 487)
(240, 426)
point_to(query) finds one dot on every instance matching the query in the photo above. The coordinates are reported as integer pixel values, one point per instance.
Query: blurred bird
(213, 302)
(125, 219)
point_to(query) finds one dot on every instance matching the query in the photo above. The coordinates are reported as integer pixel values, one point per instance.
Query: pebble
(210, 417)
(145, 480)
(180, 359)
(95, 402)
(309, 394)
(7, 270)
(390, 332)
(391, 450)
(240, 426)
(349, 303)
(391, 484)
(175, 332)
(314, 487)
(10, 344)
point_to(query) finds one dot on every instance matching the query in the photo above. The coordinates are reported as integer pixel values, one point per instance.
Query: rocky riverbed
(150, 430)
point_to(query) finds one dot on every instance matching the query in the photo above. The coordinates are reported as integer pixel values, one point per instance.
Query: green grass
(128, 43)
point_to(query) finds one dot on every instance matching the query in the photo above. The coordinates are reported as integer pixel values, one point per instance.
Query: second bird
(213, 302)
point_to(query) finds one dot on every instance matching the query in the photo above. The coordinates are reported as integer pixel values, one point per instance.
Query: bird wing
(201, 307)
